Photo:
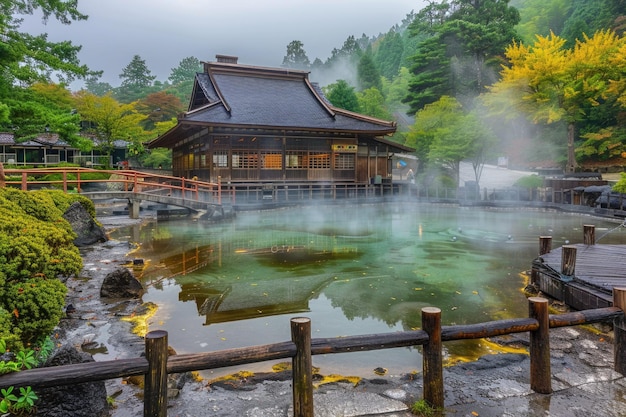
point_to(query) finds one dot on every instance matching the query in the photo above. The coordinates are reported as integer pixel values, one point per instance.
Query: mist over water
(352, 269)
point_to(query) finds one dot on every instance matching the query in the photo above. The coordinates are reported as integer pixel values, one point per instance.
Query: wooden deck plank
(600, 266)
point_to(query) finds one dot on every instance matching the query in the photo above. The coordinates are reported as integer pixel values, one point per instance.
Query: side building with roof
(48, 149)
(252, 127)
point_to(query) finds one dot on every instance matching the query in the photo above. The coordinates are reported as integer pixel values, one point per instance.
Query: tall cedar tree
(367, 73)
(136, 81)
(296, 57)
(475, 34)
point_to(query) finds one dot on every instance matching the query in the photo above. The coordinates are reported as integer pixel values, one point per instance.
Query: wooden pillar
(219, 189)
(589, 234)
(540, 373)
(134, 208)
(155, 381)
(619, 331)
(545, 245)
(568, 261)
(432, 358)
(302, 367)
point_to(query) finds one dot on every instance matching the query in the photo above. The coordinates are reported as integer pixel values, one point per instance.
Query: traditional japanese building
(249, 125)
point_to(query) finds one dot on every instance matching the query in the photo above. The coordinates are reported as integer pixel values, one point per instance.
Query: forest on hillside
(539, 82)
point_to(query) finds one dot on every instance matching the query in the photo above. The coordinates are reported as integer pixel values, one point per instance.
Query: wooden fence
(156, 365)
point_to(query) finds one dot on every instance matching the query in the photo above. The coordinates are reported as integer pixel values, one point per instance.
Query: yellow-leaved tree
(109, 120)
(550, 83)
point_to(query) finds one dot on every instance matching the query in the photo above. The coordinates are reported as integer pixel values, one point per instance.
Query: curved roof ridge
(219, 93)
(318, 97)
(364, 117)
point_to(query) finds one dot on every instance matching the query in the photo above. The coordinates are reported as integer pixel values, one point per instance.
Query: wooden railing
(87, 179)
(156, 365)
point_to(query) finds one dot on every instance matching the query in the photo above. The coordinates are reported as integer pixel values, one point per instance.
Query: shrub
(8, 333)
(36, 306)
(529, 181)
(36, 248)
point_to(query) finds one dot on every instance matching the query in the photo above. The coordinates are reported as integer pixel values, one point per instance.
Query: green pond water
(353, 269)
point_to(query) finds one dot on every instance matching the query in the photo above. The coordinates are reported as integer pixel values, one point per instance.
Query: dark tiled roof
(240, 95)
(49, 139)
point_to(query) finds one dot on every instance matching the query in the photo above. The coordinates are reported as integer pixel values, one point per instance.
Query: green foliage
(529, 181)
(540, 17)
(372, 103)
(620, 186)
(41, 108)
(110, 120)
(158, 158)
(388, 56)
(296, 56)
(342, 95)
(28, 58)
(465, 43)
(9, 335)
(421, 408)
(63, 201)
(136, 81)
(36, 247)
(367, 73)
(11, 403)
(37, 306)
(185, 71)
(443, 134)
(432, 75)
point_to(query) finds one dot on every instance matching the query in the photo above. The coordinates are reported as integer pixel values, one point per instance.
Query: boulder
(88, 399)
(87, 230)
(121, 283)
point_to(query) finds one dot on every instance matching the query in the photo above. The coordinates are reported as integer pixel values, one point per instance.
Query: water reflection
(351, 269)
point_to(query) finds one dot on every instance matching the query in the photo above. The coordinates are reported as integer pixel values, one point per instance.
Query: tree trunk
(571, 157)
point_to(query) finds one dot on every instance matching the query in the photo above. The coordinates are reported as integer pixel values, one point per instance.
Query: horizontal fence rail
(157, 365)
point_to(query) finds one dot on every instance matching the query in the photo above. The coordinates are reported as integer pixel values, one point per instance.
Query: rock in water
(87, 230)
(121, 283)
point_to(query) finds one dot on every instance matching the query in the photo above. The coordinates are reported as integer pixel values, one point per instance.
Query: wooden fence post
(619, 331)
(155, 381)
(545, 246)
(432, 358)
(302, 367)
(568, 261)
(589, 234)
(540, 373)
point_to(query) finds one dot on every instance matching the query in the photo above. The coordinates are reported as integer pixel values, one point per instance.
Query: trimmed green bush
(36, 307)
(36, 248)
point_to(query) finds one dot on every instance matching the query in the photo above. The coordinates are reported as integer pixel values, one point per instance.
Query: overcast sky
(164, 32)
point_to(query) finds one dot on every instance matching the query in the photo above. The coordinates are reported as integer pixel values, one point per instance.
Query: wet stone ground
(496, 385)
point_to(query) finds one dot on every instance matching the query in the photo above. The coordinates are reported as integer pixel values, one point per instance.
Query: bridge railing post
(219, 189)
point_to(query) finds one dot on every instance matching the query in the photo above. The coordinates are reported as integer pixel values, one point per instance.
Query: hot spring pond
(352, 269)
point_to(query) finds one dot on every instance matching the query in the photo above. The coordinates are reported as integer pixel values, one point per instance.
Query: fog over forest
(163, 33)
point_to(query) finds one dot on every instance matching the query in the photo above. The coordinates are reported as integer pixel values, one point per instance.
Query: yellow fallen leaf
(474, 413)
(458, 292)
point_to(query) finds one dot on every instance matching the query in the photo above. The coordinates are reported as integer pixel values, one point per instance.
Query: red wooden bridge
(136, 186)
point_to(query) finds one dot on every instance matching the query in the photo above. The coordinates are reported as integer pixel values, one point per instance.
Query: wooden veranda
(580, 275)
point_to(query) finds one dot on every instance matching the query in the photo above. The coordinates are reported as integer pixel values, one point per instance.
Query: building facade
(257, 125)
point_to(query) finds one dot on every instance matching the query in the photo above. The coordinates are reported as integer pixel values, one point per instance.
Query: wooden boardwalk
(597, 270)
